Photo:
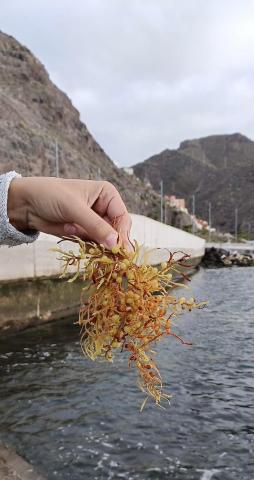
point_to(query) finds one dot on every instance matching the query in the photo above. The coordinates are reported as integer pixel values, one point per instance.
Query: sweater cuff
(9, 235)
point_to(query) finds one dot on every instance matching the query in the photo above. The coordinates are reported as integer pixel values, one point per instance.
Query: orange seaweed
(127, 305)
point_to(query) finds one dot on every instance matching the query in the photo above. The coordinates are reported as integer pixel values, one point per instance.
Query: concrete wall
(31, 261)
(155, 234)
(37, 260)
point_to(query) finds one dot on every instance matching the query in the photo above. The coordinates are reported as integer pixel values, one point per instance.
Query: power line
(193, 211)
(210, 219)
(236, 224)
(161, 184)
(249, 231)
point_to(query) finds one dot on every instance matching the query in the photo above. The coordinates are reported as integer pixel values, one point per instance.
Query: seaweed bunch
(127, 305)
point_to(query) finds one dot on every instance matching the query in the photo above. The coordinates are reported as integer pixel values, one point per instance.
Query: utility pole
(236, 224)
(165, 211)
(161, 201)
(210, 219)
(249, 231)
(193, 211)
(56, 158)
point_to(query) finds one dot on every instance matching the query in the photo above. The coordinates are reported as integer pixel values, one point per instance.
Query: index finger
(111, 206)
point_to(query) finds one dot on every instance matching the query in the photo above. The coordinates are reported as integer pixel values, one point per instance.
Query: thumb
(95, 227)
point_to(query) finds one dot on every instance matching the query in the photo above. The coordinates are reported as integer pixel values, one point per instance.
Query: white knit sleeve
(8, 234)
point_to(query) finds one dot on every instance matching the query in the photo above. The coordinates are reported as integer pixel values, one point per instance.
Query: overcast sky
(145, 74)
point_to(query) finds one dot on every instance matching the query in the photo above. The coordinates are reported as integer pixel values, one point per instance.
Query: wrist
(17, 205)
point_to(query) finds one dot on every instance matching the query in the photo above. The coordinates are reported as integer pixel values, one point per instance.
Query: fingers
(74, 229)
(95, 227)
(56, 229)
(101, 219)
(111, 206)
(123, 226)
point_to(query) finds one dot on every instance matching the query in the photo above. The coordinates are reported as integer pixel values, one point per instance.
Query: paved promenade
(238, 247)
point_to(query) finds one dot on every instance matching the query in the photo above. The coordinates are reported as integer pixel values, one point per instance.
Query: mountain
(34, 113)
(217, 169)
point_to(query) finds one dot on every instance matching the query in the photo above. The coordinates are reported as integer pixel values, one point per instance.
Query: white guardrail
(37, 260)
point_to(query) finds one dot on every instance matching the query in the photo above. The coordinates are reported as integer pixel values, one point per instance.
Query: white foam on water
(223, 454)
(208, 474)
(108, 445)
(154, 469)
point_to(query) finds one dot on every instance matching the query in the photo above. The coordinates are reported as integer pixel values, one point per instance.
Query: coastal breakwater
(228, 255)
(31, 292)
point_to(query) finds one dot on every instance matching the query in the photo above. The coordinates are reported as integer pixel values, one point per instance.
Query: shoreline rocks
(14, 467)
(219, 257)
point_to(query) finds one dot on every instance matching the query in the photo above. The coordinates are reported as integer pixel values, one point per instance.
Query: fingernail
(111, 240)
(70, 229)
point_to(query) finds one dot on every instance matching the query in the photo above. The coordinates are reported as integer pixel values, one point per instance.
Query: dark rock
(34, 113)
(217, 169)
(218, 257)
(215, 258)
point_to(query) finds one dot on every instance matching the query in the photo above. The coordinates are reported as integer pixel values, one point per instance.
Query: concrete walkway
(13, 467)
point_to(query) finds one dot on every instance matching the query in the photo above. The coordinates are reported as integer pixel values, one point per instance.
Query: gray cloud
(145, 74)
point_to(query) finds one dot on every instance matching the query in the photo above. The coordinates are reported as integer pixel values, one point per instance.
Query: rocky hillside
(34, 113)
(217, 169)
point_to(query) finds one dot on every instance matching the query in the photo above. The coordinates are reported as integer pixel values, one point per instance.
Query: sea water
(76, 419)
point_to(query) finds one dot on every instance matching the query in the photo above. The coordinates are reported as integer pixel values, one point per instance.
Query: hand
(86, 208)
